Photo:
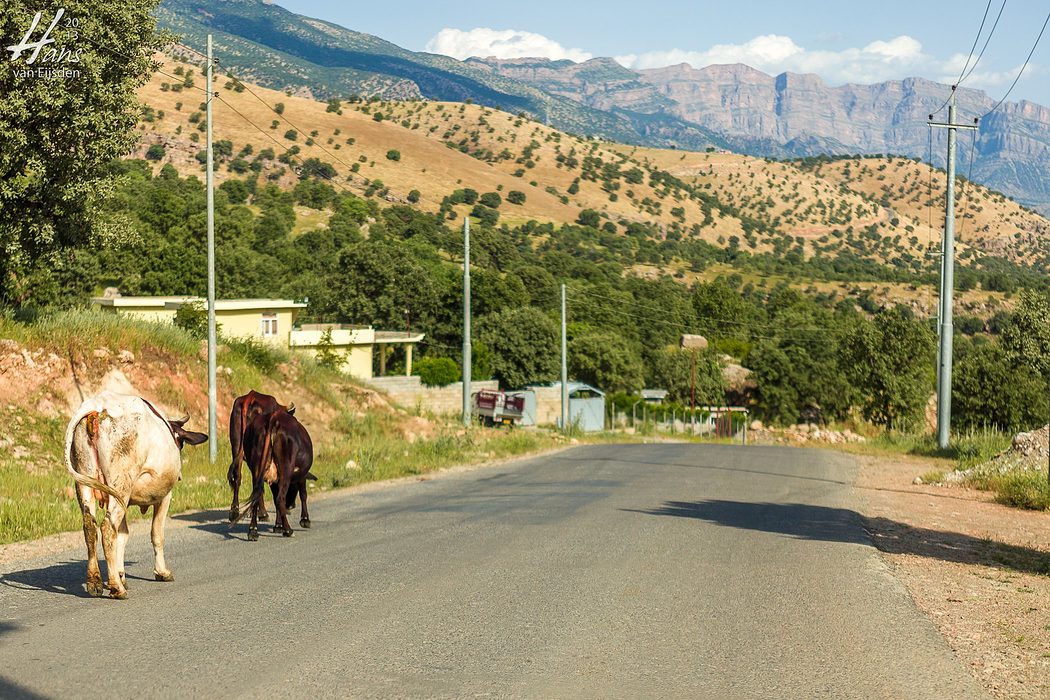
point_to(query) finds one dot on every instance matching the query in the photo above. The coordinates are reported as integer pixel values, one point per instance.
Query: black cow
(245, 409)
(281, 455)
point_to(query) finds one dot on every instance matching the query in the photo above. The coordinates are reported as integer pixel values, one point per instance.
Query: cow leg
(234, 477)
(87, 509)
(275, 489)
(122, 542)
(304, 516)
(114, 515)
(281, 506)
(160, 515)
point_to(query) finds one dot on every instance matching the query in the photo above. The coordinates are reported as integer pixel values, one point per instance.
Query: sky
(841, 41)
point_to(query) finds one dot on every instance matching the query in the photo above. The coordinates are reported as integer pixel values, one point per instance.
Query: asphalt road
(603, 571)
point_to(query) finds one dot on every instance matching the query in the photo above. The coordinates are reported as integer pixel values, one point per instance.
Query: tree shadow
(13, 691)
(66, 578)
(823, 523)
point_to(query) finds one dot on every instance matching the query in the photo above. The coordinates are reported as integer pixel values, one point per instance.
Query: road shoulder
(979, 570)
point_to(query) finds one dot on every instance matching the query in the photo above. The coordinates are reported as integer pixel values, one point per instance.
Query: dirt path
(980, 570)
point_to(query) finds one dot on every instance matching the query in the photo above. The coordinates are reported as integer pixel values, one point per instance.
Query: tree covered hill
(881, 209)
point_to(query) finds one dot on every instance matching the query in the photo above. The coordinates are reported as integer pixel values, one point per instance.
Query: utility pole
(467, 354)
(564, 369)
(944, 360)
(212, 417)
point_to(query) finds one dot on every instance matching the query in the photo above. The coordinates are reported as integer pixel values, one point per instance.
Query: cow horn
(181, 421)
(291, 407)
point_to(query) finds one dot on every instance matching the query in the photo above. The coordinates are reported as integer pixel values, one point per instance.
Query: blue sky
(841, 41)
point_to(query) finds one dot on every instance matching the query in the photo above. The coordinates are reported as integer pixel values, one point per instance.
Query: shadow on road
(823, 523)
(66, 578)
(203, 516)
(13, 691)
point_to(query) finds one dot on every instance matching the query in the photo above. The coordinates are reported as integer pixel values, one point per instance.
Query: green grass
(1022, 489)
(965, 450)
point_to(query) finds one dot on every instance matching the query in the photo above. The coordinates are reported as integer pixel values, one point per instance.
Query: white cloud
(501, 43)
(890, 59)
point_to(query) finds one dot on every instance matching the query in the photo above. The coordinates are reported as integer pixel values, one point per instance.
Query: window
(269, 325)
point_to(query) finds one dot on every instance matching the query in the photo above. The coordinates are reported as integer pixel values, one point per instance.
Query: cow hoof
(166, 576)
(305, 524)
(264, 516)
(288, 532)
(123, 579)
(95, 588)
(118, 594)
(234, 512)
(253, 535)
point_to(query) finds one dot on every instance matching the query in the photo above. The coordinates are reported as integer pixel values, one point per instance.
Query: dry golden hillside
(880, 208)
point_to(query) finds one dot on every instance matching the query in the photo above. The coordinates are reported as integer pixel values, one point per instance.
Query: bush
(589, 217)
(484, 215)
(437, 371)
(492, 200)
(291, 134)
(413, 196)
(516, 197)
(327, 356)
(192, 317)
(155, 152)
(393, 154)
(258, 353)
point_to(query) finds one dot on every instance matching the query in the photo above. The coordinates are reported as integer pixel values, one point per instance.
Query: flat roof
(241, 304)
(158, 302)
(398, 337)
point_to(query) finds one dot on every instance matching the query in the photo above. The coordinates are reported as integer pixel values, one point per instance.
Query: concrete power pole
(564, 369)
(212, 418)
(467, 353)
(944, 361)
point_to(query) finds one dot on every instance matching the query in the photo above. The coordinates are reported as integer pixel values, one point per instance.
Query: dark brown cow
(245, 409)
(281, 454)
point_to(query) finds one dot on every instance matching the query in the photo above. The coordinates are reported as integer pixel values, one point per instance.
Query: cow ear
(190, 437)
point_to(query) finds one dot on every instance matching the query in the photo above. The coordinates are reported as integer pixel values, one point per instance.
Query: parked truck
(498, 407)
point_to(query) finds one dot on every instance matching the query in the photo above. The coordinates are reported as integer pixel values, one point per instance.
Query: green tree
(524, 346)
(672, 369)
(516, 197)
(889, 361)
(59, 136)
(989, 390)
(1026, 337)
(155, 152)
(236, 190)
(605, 360)
(492, 200)
(437, 371)
(378, 280)
(589, 217)
(327, 355)
(393, 154)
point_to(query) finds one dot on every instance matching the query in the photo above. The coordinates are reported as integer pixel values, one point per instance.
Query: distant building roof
(241, 304)
(120, 301)
(398, 337)
(654, 394)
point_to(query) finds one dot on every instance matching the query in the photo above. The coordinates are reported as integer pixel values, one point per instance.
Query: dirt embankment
(46, 384)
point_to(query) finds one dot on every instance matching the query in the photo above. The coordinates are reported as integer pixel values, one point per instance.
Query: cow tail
(84, 479)
(258, 484)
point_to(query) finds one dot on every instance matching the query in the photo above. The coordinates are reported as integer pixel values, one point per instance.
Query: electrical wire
(983, 48)
(1020, 72)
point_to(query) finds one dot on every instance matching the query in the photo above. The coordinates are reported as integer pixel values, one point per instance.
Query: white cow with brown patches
(122, 452)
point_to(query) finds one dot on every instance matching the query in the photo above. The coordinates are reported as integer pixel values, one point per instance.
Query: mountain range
(725, 106)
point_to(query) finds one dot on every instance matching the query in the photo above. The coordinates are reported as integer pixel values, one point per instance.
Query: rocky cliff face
(801, 115)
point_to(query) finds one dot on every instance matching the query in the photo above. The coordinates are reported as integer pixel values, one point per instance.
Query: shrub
(155, 152)
(413, 196)
(393, 154)
(192, 317)
(437, 371)
(327, 356)
(291, 134)
(516, 197)
(492, 200)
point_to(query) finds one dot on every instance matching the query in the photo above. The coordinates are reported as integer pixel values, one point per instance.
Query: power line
(975, 40)
(981, 55)
(1020, 72)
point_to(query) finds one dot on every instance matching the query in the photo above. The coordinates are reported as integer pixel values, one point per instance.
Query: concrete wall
(142, 313)
(409, 392)
(247, 323)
